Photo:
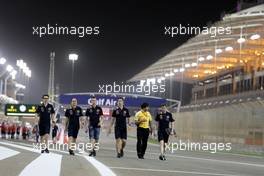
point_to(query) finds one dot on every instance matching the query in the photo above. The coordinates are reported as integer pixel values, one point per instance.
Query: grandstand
(227, 74)
(222, 65)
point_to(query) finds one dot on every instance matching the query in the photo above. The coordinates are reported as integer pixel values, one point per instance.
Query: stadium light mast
(73, 58)
(9, 69)
(2, 62)
(51, 89)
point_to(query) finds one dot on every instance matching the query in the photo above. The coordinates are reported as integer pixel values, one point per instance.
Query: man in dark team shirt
(165, 128)
(45, 113)
(94, 121)
(120, 116)
(3, 130)
(18, 131)
(73, 121)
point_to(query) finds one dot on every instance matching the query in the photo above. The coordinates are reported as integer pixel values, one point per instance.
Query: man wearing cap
(73, 123)
(45, 113)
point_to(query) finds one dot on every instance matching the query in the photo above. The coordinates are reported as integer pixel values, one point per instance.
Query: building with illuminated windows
(222, 65)
(227, 77)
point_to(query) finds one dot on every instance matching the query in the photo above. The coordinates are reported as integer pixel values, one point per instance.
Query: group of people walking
(92, 121)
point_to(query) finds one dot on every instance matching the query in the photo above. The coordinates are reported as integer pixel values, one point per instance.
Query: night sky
(131, 37)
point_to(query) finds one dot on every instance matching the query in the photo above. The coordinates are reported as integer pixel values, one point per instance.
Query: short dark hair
(45, 96)
(120, 98)
(93, 97)
(144, 105)
(162, 105)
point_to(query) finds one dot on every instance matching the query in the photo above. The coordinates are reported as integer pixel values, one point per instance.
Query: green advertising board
(20, 109)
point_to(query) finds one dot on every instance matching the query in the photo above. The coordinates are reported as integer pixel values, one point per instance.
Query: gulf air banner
(108, 100)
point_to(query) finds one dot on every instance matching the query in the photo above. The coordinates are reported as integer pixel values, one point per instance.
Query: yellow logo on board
(32, 109)
(12, 109)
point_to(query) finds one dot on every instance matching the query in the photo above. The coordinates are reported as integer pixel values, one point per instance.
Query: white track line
(45, 164)
(201, 159)
(21, 147)
(172, 171)
(6, 153)
(222, 153)
(102, 169)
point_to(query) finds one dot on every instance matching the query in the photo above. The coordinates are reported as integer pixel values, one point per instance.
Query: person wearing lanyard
(45, 113)
(143, 121)
(73, 122)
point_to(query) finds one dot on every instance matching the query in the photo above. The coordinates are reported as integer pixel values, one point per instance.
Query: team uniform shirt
(44, 113)
(143, 115)
(94, 114)
(121, 116)
(74, 114)
(164, 119)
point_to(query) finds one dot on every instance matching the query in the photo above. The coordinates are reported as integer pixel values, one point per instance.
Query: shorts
(163, 135)
(120, 133)
(44, 130)
(94, 133)
(73, 132)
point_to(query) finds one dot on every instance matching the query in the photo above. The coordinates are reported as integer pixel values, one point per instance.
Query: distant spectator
(35, 131)
(3, 130)
(24, 132)
(9, 129)
(13, 130)
(18, 128)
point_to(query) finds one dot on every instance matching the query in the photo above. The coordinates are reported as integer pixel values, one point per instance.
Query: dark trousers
(142, 140)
